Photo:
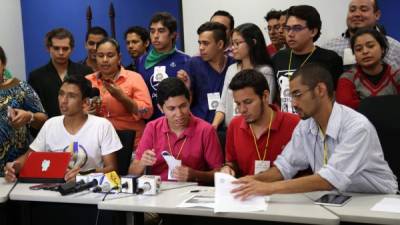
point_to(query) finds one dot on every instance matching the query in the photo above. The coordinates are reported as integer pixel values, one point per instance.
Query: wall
(40, 16)
(390, 8)
(11, 37)
(333, 14)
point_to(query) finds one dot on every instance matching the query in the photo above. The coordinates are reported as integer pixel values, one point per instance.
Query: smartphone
(49, 186)
(333, 200)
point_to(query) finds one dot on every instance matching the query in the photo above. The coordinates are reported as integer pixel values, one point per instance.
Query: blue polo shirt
(204, 80)
(172, 64)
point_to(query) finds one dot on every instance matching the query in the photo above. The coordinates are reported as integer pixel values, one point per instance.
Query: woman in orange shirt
(125, 99)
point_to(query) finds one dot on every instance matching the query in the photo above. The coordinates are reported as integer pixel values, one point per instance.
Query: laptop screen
(45, 167)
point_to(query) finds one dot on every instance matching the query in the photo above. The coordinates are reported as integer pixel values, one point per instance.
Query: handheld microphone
(69, 188)
(85, 186)
(102, 188)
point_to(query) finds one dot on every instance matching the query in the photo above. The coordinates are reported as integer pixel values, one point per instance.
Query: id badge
(348, 57)
(261, 166)
(159, 73)
(171, 169)
(213, 100)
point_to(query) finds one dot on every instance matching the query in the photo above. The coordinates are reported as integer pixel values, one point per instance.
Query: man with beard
(258, 135)
(339, 144)
(362, 14)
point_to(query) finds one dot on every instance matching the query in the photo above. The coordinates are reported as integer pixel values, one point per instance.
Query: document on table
(206, 201)
(225, 202)
(172, 163)
(387, 205)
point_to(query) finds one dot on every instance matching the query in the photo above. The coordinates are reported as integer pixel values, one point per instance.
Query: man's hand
(20, 118)
(183, 173)
(183, 76)
(71, 174)
(10, 171)
(148, 158)
(228, 170)
(249, 187)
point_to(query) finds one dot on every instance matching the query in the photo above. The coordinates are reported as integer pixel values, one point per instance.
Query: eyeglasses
(270, 28)
(237, 43)
(295, 28)
(296, 95)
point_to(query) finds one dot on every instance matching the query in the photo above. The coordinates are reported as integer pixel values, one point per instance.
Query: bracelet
(32, 118)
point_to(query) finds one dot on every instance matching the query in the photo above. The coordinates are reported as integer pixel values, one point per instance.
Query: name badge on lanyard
(159, 73)
(213, 100)
(261, 166)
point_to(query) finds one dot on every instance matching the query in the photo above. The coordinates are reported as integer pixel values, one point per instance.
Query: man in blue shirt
(204, 75)
(163, 60)
(339, 144)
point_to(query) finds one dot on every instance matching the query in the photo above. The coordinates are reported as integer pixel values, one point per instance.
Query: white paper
(225, 201)
(387, 205)
(172, 163)
(198, 201)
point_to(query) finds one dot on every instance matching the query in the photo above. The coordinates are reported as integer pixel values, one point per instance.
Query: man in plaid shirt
(362, 13)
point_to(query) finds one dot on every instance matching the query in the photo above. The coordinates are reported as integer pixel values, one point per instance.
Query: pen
(194, 191)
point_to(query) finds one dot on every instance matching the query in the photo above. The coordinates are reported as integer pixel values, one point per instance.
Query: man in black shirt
(137, 41)
(303, 28)
(47, 79)
(93, 37)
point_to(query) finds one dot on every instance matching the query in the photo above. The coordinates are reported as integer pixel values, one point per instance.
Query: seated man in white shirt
(92, 140)
(339, 144)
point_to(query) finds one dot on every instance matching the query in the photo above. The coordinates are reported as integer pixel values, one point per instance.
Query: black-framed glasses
(294, 28)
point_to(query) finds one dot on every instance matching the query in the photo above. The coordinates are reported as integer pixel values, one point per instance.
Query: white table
(296, 208)
(5, 189)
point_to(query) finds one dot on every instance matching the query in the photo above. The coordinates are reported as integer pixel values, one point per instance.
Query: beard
(259, 115)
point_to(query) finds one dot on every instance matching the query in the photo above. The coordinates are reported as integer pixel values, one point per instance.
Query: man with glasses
(204, 75)
(302, 29)
(93, 37)
(273, 27)
(258, 135)
(339, 144)
(47, 79)
(362, 14)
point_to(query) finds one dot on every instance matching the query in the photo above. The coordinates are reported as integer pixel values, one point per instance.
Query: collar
(123, 74)
(276, 123)
(334, 122)
(188, 132)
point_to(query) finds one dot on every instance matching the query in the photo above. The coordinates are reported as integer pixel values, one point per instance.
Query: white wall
(11, 38)
(196, 12)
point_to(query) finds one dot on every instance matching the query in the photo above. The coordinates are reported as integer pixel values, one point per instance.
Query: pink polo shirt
(201, 151)
(133, 85)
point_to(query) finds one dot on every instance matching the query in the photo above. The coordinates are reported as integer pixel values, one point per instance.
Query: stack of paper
(387, 205)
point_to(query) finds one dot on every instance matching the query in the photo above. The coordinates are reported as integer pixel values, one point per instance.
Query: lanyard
(325, 162)
(266, 145)
(291, 55)
(180, 150)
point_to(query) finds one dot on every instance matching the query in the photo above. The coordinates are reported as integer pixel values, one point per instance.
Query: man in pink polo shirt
(181, 135)
(257, 136)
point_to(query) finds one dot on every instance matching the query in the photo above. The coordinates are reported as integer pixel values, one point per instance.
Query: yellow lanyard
(266, 145)
(291, 55)
(325, 149)
(180, 150)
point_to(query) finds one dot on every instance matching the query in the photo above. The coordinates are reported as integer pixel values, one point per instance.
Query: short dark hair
(166, 19)
(249, 78)
(226, 14)
(310, 15)
(273, 14)
(218, 30)
(3, 57)
(314, 73)
(84, 84)
(142, 32)
(376, 6)
(59, 33)
(111, 41)
(171, 87)
(380, 38)
(254, 38)
(96, 31)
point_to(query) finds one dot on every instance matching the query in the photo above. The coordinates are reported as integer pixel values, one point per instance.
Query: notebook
(45, 167)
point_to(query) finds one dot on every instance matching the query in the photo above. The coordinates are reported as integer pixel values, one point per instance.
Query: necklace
(304, 62)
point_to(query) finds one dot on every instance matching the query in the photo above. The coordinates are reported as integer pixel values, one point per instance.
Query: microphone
(102, 188)
(95, 92)
(95, 100)
(69, 187)
(85, 186)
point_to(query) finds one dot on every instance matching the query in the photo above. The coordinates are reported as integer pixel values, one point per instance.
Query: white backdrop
(196, 12)
(11, 38)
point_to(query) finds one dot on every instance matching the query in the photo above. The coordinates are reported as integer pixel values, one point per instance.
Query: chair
(383, 112)
(124, 155)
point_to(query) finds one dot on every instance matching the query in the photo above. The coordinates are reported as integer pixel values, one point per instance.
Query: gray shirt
(355, 158)
(227, 104)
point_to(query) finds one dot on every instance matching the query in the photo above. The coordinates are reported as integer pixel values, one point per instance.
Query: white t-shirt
(96, 138)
